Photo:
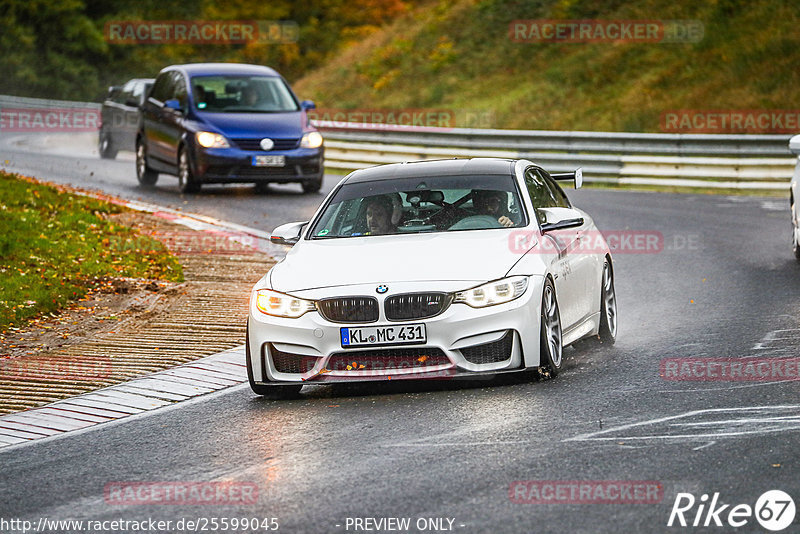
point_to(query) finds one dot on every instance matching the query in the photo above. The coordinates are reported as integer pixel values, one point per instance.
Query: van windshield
(242, 94)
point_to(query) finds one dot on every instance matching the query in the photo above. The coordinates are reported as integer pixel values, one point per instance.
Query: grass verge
(56, 246)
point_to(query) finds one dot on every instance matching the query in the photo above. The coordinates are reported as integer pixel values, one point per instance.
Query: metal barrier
(683, 160)
(687, 160)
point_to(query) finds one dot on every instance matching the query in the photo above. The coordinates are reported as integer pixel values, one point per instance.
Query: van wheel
(313, 185)
(106, 147)
(186, 180)
(145, 175)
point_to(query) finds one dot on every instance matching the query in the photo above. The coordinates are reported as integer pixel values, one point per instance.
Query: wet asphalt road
(724, 286)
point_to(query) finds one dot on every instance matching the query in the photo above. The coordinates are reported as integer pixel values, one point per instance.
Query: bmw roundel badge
(382, 289)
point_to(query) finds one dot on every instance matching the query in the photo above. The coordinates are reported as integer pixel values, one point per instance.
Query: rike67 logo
(774, 510)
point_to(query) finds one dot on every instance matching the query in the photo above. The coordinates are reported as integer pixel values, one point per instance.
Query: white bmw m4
(432, 269)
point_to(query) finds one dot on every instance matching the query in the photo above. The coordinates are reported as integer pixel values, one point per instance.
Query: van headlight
(491, 293)
(311, 140)
(211, 140)
(282, 305)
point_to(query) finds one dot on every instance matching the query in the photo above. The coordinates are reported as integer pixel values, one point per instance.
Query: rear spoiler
(576, 176)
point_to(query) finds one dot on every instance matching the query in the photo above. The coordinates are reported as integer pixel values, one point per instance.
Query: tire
(261, 188)
(551, 345)
(106, 147)
(186, 179)
(288, 391)
(608, 306)
(313, 185)
(795, 244)
(146, 176)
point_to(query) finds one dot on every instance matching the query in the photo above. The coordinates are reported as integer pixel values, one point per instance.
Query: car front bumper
(234, 165)
(461, 342)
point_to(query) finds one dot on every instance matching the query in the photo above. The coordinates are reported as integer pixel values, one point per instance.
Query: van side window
(162, 90)
(179, 91)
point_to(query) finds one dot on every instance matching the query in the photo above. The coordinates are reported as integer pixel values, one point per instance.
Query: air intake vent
(416, 306)
(349, 309)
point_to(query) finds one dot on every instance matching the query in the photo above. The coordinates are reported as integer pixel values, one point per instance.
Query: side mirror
(308, 104)
(173, 104)
(287, 234)
(559, 218)
(576, 176)
(794, 144)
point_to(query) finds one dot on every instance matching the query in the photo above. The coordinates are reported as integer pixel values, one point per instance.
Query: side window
(138, 92)
(558, 194)
(122, 96)
(162, 90)
(541, 195)
(179, 91)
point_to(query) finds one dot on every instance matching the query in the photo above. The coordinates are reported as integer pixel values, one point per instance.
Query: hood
(251, 125)
(475, 255)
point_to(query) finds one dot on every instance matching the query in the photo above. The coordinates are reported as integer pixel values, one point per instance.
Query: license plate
(269, 161)
(383, 335)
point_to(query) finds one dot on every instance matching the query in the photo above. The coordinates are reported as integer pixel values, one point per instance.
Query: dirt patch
(127, 328)
(118, 303)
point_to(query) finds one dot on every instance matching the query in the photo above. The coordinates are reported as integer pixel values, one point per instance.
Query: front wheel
(287, 391)
(186, 180)
(106, 146)
(144, 174)
(551, 348)
(795, 244)
(313, 185)
(608, 306)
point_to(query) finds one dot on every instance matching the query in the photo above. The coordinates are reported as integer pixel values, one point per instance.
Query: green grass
(457, 55)
(55, 246)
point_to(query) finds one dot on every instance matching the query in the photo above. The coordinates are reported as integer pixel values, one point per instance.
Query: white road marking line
(459, 444)
(773, 336)
(710, 443)
(603, 435)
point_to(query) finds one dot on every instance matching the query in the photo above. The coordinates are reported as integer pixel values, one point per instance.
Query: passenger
(494, 204)
(379, 216)
(199, 96)
(249, 96)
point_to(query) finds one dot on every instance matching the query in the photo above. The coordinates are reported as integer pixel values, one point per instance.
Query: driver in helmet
(493, 204)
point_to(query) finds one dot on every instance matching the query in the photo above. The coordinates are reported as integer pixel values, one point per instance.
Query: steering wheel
(447, 211)
(476, 222)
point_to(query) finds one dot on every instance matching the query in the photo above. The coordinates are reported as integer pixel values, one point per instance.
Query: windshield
(423, 204)
(242, 94)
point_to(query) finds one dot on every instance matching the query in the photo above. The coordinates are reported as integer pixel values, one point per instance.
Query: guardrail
(687, 160)
(682, 160)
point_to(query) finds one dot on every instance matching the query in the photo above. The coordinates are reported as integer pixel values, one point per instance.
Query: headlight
(281, 305)
(311, 140)
(211, 140)
(497, 292)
